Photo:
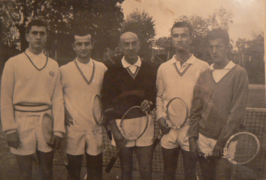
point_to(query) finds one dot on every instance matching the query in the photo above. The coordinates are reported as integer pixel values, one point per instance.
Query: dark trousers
(45, 162)
(170, 158)
(144, 156)
(93, 165)
(215, 168)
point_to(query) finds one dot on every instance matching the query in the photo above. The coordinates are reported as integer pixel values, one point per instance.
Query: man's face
(218, 51)
(130, 46)
(181, 38)
(37, 37)
(83, 46)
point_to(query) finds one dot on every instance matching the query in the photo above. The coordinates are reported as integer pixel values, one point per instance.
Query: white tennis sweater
(22, 83)
(78, 95)
(170, 84)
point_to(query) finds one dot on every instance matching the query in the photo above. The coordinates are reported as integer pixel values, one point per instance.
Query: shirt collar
(29, 53)
(125, 64)
(229, 66)
(87, 64)
(190, 60)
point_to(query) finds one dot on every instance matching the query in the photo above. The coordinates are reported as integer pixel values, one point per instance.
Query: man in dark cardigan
(131, 82)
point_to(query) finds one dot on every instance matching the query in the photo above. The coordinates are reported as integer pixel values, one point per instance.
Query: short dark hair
(218, 34)
(183, 24)
(36, 22)
(81, 32)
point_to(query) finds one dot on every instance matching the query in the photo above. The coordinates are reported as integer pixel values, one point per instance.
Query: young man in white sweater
(177, 78)
(31, 87)
(81, 80)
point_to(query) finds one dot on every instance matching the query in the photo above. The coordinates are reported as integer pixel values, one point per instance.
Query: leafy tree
(250, 55)
(65, 15)
(142, 24)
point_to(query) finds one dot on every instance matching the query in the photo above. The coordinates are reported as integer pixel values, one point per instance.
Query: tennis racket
(98, 116)
(240, 148)
(97, 109)
(47, 127)
(176, 116)
(130, 129)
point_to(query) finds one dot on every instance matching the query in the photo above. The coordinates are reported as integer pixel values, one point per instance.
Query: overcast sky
(248, 14)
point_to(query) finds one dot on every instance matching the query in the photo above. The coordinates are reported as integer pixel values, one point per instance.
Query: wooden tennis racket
(240, 148)
(176, 116)
(47, 127)
(128, 130)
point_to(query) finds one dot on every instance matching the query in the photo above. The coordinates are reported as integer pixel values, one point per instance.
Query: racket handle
(111, 163)
(156, 142)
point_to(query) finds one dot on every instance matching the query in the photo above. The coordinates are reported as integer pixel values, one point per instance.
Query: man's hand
(56, 142)
(217, 151)
(145, 105)
(194, 148)
(120, 141)
(163, 126)
(13, 140)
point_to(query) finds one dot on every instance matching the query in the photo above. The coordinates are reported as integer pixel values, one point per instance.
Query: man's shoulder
(53, 62)
(201, 62)
(67, 66)
(99, 65)
(166, 64)
(17, 57)
(239, 70)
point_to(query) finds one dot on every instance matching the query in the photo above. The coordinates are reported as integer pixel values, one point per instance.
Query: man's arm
(58, 107)
(7, 90)
(195, 116)
(196, 109)
(159, 103)
(237, 109)
(7, 111)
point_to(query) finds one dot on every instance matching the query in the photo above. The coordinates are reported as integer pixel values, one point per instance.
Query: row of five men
(31, 81)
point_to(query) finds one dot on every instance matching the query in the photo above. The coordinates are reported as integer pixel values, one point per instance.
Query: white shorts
(79, 141)
(176, 138)
(30, 134)
(146, 139)
(206, 145)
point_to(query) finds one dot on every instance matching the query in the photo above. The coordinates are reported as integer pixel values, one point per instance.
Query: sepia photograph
(132, 90)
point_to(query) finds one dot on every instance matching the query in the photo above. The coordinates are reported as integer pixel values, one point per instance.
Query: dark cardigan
(120, 91)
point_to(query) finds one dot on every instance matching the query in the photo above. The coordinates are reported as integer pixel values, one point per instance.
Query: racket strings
(242, 148)
(177, 112)
(97, 109)
(133, 128)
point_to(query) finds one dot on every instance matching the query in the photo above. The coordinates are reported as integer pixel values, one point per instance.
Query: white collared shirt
(131, 67)
(182, 67)
(218, 74)
(38, 60)
(86, 68)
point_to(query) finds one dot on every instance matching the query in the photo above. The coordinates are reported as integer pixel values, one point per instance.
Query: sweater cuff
(11, 131)
(59, 134)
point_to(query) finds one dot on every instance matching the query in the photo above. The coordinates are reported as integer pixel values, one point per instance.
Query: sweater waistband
(36, 107)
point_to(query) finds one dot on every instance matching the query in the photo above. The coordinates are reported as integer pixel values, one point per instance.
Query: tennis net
(254, 122)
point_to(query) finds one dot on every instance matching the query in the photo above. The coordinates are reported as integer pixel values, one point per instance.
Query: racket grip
(110, 164)
(156, 142)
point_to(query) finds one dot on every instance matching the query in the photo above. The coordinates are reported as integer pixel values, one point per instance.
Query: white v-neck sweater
(78, 95)
(170, 84)
(22, 83)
